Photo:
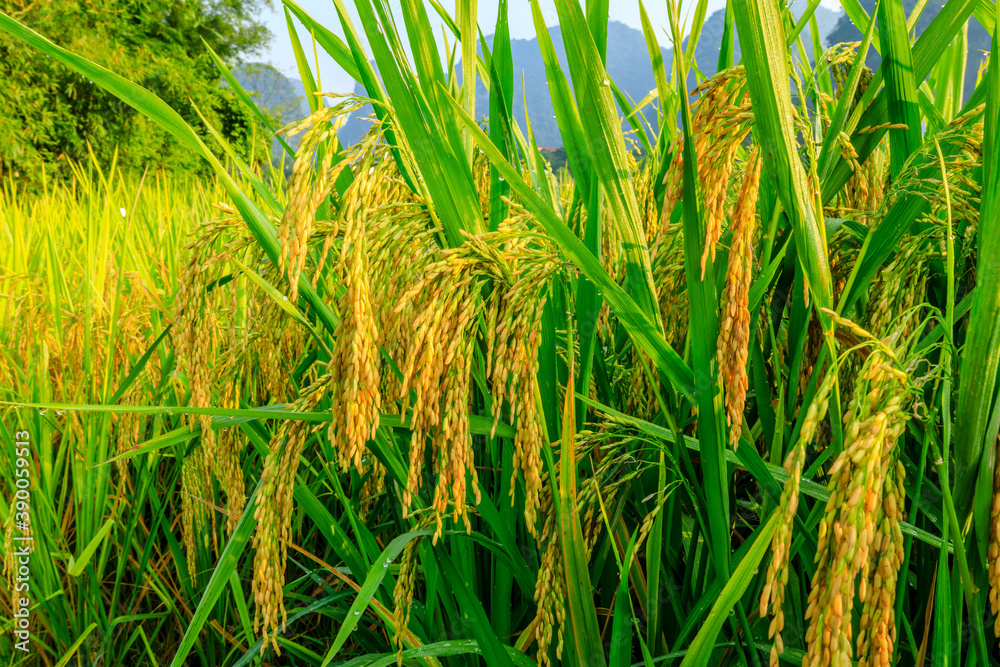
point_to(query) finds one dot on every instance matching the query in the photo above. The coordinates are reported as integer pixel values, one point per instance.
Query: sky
(334, 79)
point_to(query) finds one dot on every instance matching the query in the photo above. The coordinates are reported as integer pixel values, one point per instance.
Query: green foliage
(50, 115)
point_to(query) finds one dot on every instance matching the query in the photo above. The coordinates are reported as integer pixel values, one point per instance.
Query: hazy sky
(334, 79)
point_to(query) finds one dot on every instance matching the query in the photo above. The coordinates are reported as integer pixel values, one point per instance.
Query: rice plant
(723, 391)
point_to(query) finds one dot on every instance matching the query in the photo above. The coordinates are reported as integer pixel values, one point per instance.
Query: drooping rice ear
(403, 595)
(734, 328)
(859, 528)
(273, 514)
(310, 185)
(354, 367)
(773, 595)
(720, 123)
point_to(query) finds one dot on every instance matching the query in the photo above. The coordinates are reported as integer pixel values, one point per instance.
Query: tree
(49, 114)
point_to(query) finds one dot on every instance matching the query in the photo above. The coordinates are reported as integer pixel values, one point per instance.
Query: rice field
(722, 392)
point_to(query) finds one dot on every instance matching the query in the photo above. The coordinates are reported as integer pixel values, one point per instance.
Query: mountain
(707, 50)
(628, 65)
(280, 96)
(979, 39)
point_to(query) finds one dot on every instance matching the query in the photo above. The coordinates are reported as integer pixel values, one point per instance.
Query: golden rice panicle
(617, 467)
(194, 498)
(273, 514)
(271, 343)
(196, 321)
(401, 243)
(900, 287)
(310, 185)
(324, 255)
(773, 594)
(229, 443)
(425, 344)
(354, 367)
(993, 553)
(300, 187)
(9, 559)
(128, 426)
(513, 342)
(643, 182)
(438, 368)
(402, 596)
(734, 330)
(640, 394)
(863, 193)
(455, 457)
(721, 119)
(198, 346)
(961, 142)
(877, 633)
(550, 595)
(858, 502)
(843, 253)
(481, 179)
(670, 281)
(612, 253)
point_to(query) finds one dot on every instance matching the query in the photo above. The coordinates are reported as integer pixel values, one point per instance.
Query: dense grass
(89, 272)
(429, 402)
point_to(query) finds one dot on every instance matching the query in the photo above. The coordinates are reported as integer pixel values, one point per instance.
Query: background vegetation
(53, 115)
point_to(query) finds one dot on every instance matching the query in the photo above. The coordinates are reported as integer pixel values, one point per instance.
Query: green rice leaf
(368, 588)
(765, 57)
(77, 564)
(332, 44)
(981, 358)
(704, 331)
(900, 85)
(305, 71)
(217, 584)
(245, 98)
(700, 651)
(642, 330)
(601, 126)
(581, 613)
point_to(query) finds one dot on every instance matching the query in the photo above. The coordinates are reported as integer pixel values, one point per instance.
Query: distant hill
(979, 39)
(628, 64)
(281, 96)
(709, 43)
